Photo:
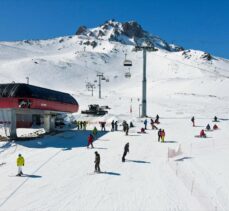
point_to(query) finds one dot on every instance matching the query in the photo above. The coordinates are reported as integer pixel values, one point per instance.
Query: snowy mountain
(130, 33)
(183, 173)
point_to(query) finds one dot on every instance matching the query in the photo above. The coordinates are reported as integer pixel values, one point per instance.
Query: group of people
(81, 125)
(161, 135)
(208, 127)
(114, 126)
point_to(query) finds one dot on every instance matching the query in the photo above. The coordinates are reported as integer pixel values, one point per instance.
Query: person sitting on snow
(143, 130)
(208, 127)
(215, 127)
(202, 134)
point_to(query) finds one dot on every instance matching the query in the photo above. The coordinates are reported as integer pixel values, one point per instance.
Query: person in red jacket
(90, 140)
(202, 134)
(215, 127)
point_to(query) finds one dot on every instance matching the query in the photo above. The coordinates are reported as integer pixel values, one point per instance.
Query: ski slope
(60, 169)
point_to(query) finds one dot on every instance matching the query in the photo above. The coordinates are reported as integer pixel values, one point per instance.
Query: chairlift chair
(127, 75)
(127, 62)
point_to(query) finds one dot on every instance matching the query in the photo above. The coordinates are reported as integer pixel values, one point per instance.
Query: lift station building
(24, 106)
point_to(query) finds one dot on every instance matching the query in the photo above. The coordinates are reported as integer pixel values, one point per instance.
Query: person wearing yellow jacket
(20, 163)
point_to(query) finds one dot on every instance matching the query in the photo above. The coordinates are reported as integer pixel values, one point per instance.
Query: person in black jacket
(97, 162)
(126, 150)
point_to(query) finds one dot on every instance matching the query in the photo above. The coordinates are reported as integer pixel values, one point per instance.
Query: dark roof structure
(21, 90)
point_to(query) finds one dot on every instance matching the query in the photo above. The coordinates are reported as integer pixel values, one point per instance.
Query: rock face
(130, 33)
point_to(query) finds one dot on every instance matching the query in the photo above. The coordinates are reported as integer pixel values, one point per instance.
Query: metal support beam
(144, 85)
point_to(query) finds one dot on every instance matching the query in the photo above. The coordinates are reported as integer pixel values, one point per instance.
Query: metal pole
(99, 86)
(144, 85)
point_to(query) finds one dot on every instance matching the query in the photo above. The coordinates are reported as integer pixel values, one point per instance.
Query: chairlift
(127, 75)
(127, 62)
(95, 81)
(103, 78)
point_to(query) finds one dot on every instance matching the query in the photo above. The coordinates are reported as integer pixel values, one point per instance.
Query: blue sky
(196, 24)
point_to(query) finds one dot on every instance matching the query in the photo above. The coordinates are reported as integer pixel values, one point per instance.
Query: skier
(215, 127)
(215, 119)
(159, 134)
(163, 136)
(127, 129)
(84, 125)
(124, 123)
(157, 119)
(112, 125)
(97, 162)
(193, 121)
(94, 132)
(152, 124)
(116, 125)
(102, 124)
(126, 150)
(20, 163)
(208, 127)
(202, 134)
(90, 140)
(145, 123)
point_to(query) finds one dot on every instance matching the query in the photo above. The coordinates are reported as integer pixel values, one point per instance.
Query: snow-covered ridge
(130, 33)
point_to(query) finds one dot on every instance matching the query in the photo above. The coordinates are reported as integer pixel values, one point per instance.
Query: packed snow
(184, 173)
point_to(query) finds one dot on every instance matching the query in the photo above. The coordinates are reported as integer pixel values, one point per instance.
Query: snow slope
(179, 85)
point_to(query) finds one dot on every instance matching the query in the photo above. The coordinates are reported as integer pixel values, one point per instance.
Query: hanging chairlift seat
(127, 62)
(127, 74)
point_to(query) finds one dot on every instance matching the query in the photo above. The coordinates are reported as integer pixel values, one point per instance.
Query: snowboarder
(112, 125)
(208, 127)
(97, 162)
(94, 132)
(90, 140)
(162, 136)
(145, 123)
(202, 134)
(157, 119)
(20, 163)
(116, 125)
(126, 150)
(143, 130)
(215, 127)
(159, 135)
(193, 121)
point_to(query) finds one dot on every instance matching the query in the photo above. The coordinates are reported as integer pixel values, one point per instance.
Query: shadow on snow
(137, 161)
(66, 140)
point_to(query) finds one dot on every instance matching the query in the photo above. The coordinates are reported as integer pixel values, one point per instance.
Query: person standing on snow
(193, 121)
(126, 150)
(112, 125)
(145, 123)
(157, 119)
(97, 162)
(20, 163)
(94, 132)
(159, 134)
(90, 140)
(127, 129)
(163, 136)
(116, 125)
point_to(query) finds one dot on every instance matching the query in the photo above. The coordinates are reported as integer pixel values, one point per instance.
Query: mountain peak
(129, 33)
